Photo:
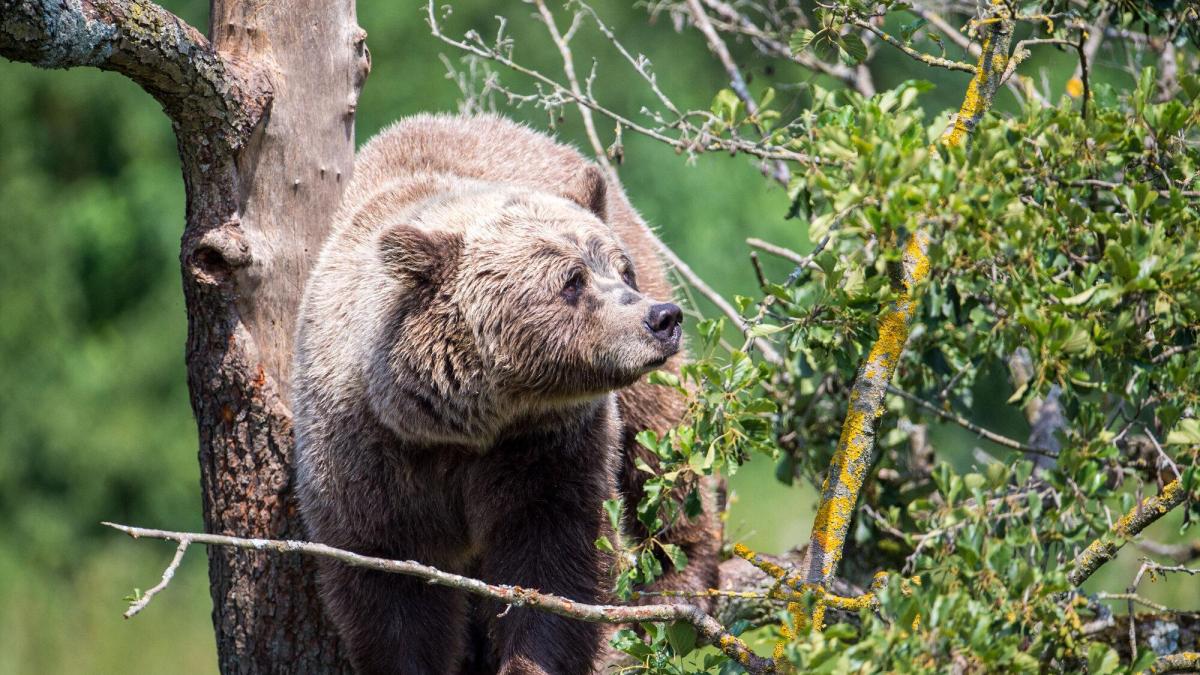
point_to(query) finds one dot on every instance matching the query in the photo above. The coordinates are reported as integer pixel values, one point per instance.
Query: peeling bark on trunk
(264, 118)
(244, 269)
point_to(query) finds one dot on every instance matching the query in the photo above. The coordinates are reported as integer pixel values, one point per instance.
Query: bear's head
(522, 296)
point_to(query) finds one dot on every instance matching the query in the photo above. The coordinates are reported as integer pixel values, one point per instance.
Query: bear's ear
(424, 257)
(589, 189)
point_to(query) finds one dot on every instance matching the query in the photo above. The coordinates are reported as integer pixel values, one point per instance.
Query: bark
(264, 118)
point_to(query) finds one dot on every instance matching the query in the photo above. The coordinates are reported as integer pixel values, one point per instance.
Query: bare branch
(1180, 553)
(730, 20)
(780, 251)
(169, 59)
(690, 139)
(717, 46)
(927, 59)
(564, 50)
(140, 603)
(963, 422)
(705, 625)
(1021, 52)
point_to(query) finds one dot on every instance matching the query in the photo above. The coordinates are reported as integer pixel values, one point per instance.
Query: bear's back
(480, 147)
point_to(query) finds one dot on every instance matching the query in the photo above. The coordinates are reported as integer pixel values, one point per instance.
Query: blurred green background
(94, 416)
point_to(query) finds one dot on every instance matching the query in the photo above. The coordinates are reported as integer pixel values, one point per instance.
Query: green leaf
(726, 106)
(1191, 85)
(682, 637)
(603, 544)
(679, 559)
(1187, 432)
(763, 330)
(1102, 659)
(614, 507)
(800, 40)
(1081, 298)
(854, 47)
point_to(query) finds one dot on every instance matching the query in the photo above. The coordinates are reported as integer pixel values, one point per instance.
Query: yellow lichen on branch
(1141, 516)
(1183, 662)
(993, 58)
(852, 459)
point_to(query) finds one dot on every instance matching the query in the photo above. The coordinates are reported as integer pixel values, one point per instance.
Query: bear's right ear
(589, 189)
(424, 257)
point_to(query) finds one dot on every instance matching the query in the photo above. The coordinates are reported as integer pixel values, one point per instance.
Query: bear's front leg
(391, 623)
(540, 520)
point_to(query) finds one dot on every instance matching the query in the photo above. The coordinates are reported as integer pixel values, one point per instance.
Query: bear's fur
(482, 293)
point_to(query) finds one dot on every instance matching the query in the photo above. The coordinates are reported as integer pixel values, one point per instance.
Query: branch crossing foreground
(707, 627)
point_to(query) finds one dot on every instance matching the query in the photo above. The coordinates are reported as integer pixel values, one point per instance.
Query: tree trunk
(264, 118)
(241, 316)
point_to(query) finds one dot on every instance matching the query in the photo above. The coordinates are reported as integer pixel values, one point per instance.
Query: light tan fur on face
(477, 332)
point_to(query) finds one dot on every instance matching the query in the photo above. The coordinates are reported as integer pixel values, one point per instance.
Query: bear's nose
(663, 319)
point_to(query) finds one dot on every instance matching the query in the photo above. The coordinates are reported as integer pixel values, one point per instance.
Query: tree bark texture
(264, 118)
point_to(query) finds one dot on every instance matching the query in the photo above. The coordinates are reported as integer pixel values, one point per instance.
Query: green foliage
(1070, 237)
(1066, 238)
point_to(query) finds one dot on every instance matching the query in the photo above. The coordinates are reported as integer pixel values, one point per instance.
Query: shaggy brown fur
(484, 291)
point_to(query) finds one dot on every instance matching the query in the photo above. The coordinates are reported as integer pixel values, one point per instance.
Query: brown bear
(482, 295)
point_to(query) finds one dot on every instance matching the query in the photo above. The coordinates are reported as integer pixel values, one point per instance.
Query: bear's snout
(664, 321)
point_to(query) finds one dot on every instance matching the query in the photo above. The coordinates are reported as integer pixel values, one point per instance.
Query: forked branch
(706, 626)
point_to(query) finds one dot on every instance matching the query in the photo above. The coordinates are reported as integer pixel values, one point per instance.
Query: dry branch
(680, 133)
(730, 20)
(967, 424)
(717, 46)
(516, 596)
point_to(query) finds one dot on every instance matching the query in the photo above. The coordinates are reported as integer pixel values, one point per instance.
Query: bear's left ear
(589, 189)
(423, 257)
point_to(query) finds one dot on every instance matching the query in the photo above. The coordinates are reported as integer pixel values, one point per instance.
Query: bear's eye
(574, 286)
(628, 277)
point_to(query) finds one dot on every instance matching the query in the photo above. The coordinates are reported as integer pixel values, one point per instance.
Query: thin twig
(704, 141)
(564, 50)
(717, 46)
(733, 21)
(1180, 553)
(927, 59)
(707, 626)
(140, 603)
(780, 251)
(967, 424)
(1166, 459)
